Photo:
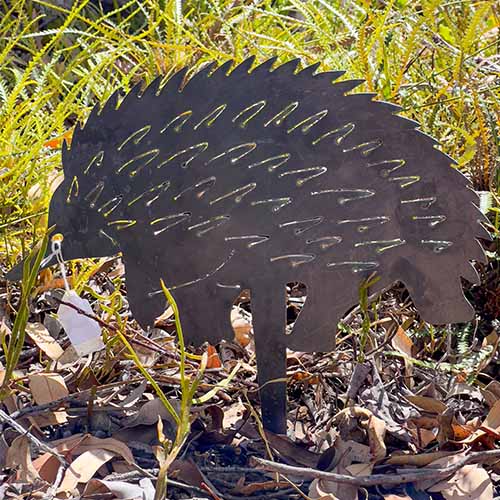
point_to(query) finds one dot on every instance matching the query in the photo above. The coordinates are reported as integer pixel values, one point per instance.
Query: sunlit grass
(438, 60)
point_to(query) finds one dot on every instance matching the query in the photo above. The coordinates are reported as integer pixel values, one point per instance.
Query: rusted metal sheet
(254, 178)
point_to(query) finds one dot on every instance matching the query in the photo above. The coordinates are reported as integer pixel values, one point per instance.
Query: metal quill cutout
(248, 178)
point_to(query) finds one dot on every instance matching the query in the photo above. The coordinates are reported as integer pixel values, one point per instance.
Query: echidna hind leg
(269, 319)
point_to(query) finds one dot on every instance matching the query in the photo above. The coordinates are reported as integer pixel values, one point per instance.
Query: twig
(24, 432)
(376, 479)
(33, 410)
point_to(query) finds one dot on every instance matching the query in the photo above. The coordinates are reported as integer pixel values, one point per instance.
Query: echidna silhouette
(251, 179)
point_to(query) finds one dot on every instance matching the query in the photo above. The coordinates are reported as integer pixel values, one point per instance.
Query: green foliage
(13, 346)
(436, 59)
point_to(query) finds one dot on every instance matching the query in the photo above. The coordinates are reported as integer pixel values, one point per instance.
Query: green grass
(438, 60)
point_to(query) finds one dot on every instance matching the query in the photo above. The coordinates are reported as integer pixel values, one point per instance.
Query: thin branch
(24, 432)
(376, 479)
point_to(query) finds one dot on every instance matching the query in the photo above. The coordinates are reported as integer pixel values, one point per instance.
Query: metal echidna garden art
(251, 179)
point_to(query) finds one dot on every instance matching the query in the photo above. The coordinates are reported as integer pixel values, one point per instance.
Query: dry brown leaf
(213, 358)
(490, 425)
(149, 412)
(321, 489)
(427, 404)
(109, 444)
(492, 420)
(442, 462)
(84, 467)
(47, 387)
(233, 414)
(19, 458)
(402, 343)
(241, 327)
(100, 488)
(376, 435)
(420, 460)
(471, 482)
(494, 387)
(252, 488)
(44, 340)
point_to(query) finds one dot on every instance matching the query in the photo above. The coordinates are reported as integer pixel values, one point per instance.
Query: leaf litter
(397, 411)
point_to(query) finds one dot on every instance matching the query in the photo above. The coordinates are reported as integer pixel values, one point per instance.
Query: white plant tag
(83, 332)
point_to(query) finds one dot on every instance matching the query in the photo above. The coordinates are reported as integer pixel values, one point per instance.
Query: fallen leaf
(213, 358)
(402, 343)
(427, 404)
(241, 327)
(376, 435)
(44, 340)
(492, 420)
(471, 482)
(149, 412)
(109, 444)
(442, 462)
(100, 488)
(252, 488)
(47, 387)
(83, 468)
(56, 142)
(19, 458)
(420, 460)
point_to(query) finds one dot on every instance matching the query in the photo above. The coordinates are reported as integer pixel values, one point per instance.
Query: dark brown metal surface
(250, 179)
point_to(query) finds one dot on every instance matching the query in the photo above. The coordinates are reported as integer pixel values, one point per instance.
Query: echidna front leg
(269, 320)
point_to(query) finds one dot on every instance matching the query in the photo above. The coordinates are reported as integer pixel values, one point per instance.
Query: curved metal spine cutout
(178, 121)
(309, 224)
(345, 130)
(93, 195)
(73, 190)
(239, 192)
(307, 124)
(434, 220)
(296, 259)
(319, 171)
(96, 160)
(365, 147)
(375, 220)
(198, 148)
(280, 117)
(357, 266)
(197, 280)
(177, 218)
(208, 225)
(247, 147)
(110, 205)
(260, 239)
(136, 137)
(358, 194)
(234, 287)
(438, 245)
(385, 172)
(325, 241)
(280, 203)
(209, 120)
(153, 154)
(209, 181)
(110, 238)
(160, 188)
(281, 160)
(426, 202)
(405, 181)
(385, 244)
(259, 105)
(122, 223)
